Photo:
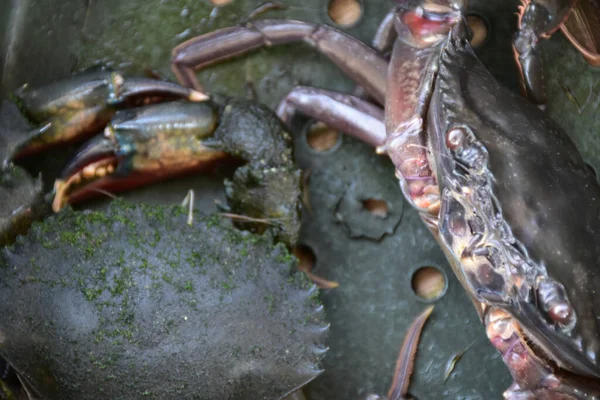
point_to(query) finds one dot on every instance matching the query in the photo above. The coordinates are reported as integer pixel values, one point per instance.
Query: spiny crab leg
(364, 65)
(79, 106)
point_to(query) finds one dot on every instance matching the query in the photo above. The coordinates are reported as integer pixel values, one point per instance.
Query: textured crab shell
(520, 209)
(133, 303)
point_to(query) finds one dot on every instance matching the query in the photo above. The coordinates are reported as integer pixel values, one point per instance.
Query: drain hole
(479, 26)
(345, 12)
(377, 207)
(429, 283)
(220, 2)
(322, 138)
(306, 257)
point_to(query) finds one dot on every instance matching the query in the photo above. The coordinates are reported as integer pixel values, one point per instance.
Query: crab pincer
(152, 143)
(79, 106)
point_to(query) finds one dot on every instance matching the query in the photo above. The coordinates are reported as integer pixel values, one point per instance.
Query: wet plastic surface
(374, 305)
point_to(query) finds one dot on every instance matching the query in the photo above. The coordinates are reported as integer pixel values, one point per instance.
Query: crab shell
(133, 303)
(520, 211)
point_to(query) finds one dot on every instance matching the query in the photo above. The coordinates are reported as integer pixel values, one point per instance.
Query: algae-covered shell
(133, 303)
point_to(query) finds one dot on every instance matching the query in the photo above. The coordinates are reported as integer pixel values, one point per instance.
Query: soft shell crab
(493, 178)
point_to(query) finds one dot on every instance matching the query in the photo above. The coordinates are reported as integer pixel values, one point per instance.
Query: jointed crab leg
(582, 28)
(345, 113)
(539, 19)
(406, 359)
(363, 64)
(412, 69)
(386, 33)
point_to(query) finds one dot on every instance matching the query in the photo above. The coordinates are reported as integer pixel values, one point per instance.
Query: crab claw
(77, 107)
(139, 146)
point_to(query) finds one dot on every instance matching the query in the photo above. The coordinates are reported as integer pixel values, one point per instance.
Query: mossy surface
(133, 302)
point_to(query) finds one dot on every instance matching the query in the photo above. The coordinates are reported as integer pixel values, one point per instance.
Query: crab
(149, 287)
(481, 164)
(371, 119)
(64, 256)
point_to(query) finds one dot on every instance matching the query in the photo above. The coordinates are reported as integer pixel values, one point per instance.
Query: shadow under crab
(134, 302)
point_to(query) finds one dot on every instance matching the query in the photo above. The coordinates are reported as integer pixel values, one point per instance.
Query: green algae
(170, 289)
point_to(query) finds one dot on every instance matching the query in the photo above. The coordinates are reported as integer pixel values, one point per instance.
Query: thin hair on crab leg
(406, 358)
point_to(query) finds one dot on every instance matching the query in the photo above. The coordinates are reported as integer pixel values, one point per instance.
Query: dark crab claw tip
(96, 149)
(97, 159)
(126, 88)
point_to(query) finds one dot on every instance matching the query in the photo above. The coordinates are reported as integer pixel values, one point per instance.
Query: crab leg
(345, 113)
(582, 28)
(537, 19)
(386, 33)
(406, 358)
(364, 65)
